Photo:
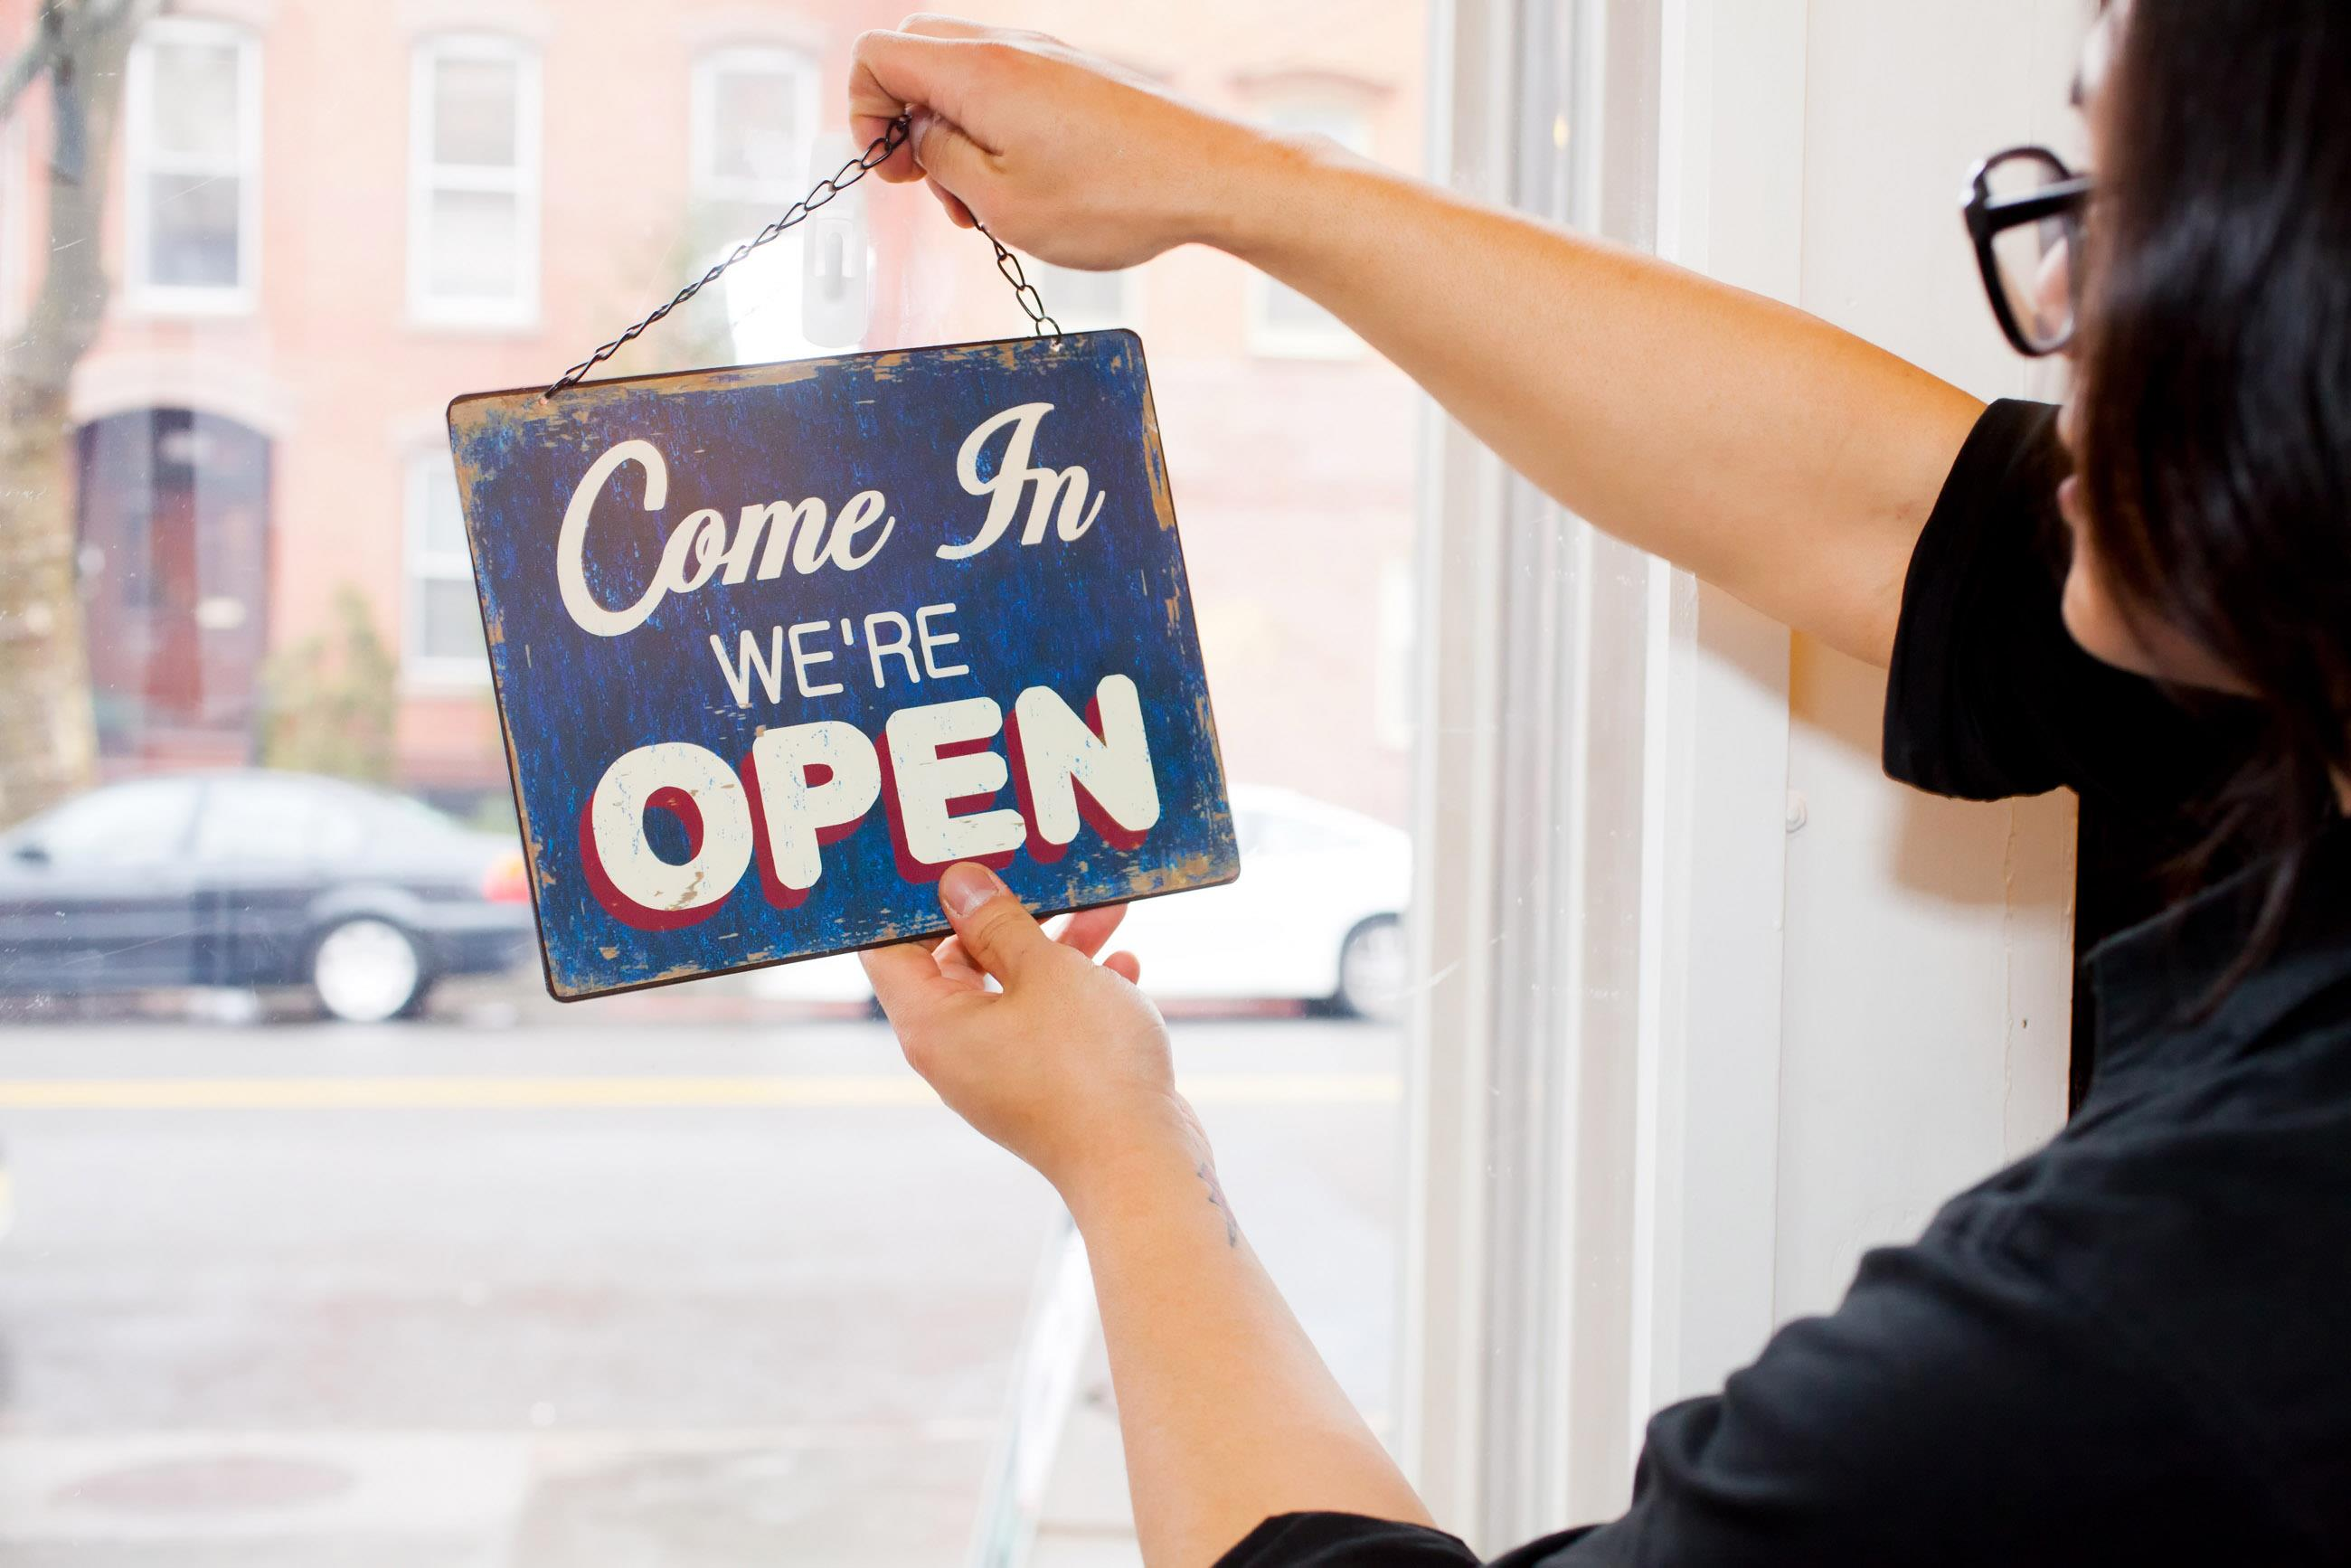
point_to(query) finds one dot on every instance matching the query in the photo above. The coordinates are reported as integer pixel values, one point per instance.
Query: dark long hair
(2214, 395)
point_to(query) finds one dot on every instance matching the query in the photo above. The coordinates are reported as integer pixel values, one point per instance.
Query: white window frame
(420, 564)
(141, 162)
(1327, 338)
(427, 178)
(1639, 939)
(707, 183)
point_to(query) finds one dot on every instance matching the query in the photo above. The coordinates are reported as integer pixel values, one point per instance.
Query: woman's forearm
(1228, 1413)
(1762, 448)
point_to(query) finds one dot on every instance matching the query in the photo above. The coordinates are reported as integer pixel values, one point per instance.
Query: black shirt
(2132, 1345)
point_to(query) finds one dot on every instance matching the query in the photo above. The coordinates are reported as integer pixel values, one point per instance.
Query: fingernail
(966, 886)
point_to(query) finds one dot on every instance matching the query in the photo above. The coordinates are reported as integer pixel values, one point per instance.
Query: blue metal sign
(775, 646)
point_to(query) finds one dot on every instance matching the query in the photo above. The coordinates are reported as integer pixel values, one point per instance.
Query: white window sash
(429, 178)
(142, 159)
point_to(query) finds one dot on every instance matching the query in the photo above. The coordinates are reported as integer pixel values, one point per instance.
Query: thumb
(890, 72)
(955, 163)
(998, 933)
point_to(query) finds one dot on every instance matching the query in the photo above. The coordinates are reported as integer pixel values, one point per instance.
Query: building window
(754, 123)
(191, 138)
(1084, 301)
(441, 625)
(752, 146)
(473, 208)
(1282, 322)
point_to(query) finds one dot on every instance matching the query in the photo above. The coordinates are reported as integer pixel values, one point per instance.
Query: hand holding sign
(1066, 1065)
(774, 647)
(1072, 159)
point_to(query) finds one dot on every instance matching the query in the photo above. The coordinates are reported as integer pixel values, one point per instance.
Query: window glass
(191, 163)
(445, 617)
(1292, 834)
(196, 102)
(754, 114)
(249, 820)
(1249, 832)
(475, 244)
(194, 242)
(474, 181)
(755, 121)
(144, 822)
(444, 1271)
(756, 126)
(399, 814)
(340, 826)
(474, 112)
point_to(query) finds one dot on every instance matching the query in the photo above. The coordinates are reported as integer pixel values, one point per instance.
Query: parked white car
(1313, 918)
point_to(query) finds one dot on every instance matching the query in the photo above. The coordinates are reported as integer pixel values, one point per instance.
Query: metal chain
(876, 153)
(1040, 323)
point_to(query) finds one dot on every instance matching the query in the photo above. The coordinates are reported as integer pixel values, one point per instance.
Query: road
(690, 1293)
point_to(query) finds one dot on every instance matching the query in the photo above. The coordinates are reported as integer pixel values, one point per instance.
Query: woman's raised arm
(1777, 456)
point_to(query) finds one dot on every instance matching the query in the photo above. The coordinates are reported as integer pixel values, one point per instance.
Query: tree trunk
(48, 746)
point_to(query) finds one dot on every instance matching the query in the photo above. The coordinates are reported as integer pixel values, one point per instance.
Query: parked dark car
(253, 879)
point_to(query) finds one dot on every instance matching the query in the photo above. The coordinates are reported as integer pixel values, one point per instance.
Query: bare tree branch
(62, 26)
(23, 70)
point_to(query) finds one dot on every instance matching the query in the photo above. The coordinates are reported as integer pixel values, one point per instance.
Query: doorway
(174, 553)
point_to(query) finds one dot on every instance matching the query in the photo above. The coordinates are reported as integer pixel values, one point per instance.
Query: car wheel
(368, 970)
(1372, 971)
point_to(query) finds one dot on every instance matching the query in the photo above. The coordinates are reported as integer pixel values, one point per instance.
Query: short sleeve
(1988, 695)
(1345, 1541)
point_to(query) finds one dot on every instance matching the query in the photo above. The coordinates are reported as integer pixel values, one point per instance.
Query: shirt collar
(2151, 979)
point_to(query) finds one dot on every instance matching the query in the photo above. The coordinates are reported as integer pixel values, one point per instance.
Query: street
(582, 1289)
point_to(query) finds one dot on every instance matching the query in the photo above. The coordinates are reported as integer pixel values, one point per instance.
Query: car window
(142, 823)
(407, 811)
(407, 816)
(1249, 832)
(1284, 835)
(257, 821)
(339, 826)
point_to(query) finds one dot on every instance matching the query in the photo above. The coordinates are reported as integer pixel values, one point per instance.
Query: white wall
(1927, 976)
(1843, 1028)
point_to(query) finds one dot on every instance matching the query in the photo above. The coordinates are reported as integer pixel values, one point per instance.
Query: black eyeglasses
(2025, 212)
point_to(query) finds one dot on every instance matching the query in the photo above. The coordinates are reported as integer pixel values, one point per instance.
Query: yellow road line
(847, 1090)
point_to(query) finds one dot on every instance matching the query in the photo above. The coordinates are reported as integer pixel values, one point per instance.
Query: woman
(2132, 1345)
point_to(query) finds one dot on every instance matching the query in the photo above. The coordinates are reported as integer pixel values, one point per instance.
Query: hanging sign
(773, 647)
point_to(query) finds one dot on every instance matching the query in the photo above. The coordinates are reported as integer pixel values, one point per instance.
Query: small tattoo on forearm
(1208, 1174)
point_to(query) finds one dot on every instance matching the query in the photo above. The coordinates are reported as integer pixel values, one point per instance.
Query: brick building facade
(329, 216)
